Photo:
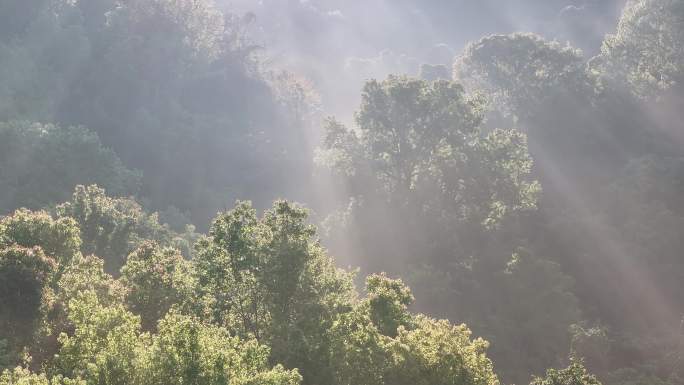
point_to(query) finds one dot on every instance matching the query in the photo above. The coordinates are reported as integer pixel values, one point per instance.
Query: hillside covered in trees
(479, 202)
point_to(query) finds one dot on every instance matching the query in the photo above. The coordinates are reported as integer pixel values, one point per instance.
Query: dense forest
(488, 192)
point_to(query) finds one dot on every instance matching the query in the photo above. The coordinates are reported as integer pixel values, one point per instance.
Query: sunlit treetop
(110, 227)
(575, 374)
(646, 53)
(58, 238)
(520, 70)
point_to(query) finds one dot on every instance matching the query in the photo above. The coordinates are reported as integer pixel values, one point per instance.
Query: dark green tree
(41, 164)
(25, 291)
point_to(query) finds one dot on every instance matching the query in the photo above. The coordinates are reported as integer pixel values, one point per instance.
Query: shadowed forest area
(331, 192)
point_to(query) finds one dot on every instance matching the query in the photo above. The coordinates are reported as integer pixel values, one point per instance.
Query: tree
(448, 191)
(25, 278)
(522, 304)
(577, 127)
(421, 160)
(111, 228)
(359, 353)
(645, 54)
(102, 347)
(187, 351)
(541, 87)
(107, 347)
(575, 374)
(521, 70)
(175, 88)
(22, 376)
(59, 242)
(388, 302)
(86, 274)
(58, 238)
(586, 132)
(267, 298)
(156, 279)
(42, 49)
(42, 163)
(436, 352)
(532, 306)
(268, 278)
(421, 351)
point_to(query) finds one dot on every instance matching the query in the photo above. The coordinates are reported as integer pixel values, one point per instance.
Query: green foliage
(111, 228)
(174, 87)
(57, 238)
(42, 163)
(546, 90)
(358, 351)
(645, 54)
(185, 351)
(515, 290)
(103, 346)
(403, 122)
(431, 189)
(190, 26)
(86, 274)
(155, 280)
(269, 290)
(436, 352)
(25, 296)
(530, 283)
(21, 376)
(107, 347)
(388, 302)
(25, 274)
(575, 374)
(608, 181)
(520, 70)
(269, 279)
(42, 48)
(573, 120)
(426, 352)
(421, 160)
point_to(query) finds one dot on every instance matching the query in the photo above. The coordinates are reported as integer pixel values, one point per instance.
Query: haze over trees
(483, 203)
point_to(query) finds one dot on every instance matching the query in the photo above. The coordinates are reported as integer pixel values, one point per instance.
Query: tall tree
(269, 278)
(421, 159)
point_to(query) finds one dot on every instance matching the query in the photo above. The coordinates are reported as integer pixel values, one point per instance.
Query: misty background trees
(519, 166)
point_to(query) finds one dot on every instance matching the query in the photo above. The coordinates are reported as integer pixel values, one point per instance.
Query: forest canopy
(491, 192)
